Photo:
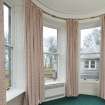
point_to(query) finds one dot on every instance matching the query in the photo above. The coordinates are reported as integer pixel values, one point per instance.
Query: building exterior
(89, 63)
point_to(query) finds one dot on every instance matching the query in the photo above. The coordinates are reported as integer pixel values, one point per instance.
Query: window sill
(53, 82)
(89, 81)
(13, 93)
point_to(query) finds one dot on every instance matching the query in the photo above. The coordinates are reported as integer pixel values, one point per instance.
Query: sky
(6, 19)
(48, 33)
(86, 32)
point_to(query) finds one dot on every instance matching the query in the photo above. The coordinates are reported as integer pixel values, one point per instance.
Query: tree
(52, 45)
(93, 39)
(52, 48)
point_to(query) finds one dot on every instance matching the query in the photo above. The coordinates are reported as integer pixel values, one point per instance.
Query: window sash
(8, 64)
(8, 48)
(93, 64)
(8, 41)
(51, 67)
(50, 57)
(88, 64)
(90, 70)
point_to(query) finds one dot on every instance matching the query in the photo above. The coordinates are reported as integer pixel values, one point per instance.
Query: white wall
(19, 46)
(17, 101)
(89, 88)
(54, 91)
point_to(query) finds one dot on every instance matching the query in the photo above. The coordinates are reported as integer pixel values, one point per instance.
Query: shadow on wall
(17, 101)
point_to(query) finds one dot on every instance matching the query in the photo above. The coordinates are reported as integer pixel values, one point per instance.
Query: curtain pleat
(34, 55)
(72, 58)
(2, 64)
(102, 76)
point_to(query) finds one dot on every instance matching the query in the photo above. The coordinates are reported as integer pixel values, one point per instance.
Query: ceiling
(73, 8)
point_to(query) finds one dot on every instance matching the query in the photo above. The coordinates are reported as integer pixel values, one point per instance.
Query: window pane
(7, 23)
(8, 49)
(86, 64)
(92, 62)
(92, 66)
(8, 66)
(50, 53)
(90, 53)
(49, 40)
(50, 65)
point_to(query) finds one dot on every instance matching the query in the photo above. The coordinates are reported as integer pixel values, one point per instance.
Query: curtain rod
(68, 18)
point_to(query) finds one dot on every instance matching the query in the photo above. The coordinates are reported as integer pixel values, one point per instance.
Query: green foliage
(8, 79)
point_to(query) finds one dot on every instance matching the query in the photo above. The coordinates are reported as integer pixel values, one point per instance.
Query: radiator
(54, 91)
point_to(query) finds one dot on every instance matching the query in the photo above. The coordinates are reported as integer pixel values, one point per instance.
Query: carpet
(80, 100)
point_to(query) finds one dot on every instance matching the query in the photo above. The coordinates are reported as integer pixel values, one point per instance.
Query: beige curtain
(34, 54)
(72, 58)
(102, 76)
(2, 72)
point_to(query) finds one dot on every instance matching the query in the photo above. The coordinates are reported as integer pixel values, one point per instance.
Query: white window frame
(89, 64)
(11, 6)
(8, 45)
(60, 25)
(92, 64)
(18, 66)
(86, 24)
(57, 54)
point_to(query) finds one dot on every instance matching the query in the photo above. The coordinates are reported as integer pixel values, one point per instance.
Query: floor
(81, 100)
